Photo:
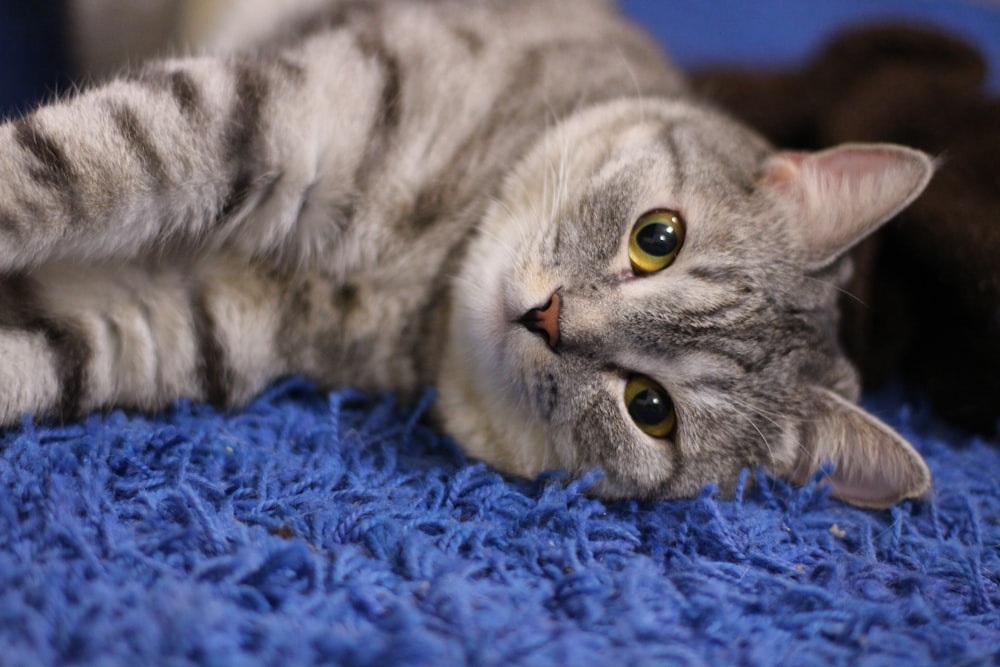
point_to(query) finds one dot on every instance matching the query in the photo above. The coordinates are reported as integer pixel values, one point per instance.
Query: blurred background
(35, 39)
(780, 33)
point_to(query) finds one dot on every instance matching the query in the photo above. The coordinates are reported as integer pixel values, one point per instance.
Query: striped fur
(370, 193)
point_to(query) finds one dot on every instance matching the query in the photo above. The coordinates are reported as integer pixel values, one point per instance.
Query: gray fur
(373, 193)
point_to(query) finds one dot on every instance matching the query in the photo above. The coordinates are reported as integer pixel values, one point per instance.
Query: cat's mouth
(544, 321)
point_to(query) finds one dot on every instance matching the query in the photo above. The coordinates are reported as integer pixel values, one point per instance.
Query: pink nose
(545, 320)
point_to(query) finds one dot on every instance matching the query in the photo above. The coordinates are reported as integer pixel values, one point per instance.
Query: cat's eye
(650, 406)
(655, 240)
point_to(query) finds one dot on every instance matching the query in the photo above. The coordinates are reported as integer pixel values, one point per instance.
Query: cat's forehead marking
(684, 162)
(716, 272)
(721, 165)
(668, 140)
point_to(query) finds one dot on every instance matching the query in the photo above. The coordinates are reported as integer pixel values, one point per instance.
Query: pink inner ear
(857, 163)
(784, 168)
(878, 489)
(845, 164)
(838, 196)
(874, 466)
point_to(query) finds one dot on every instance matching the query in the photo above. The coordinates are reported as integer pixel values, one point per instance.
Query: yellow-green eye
(650, 406)
(656, 239)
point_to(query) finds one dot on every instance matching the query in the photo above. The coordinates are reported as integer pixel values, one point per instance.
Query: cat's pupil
(650, 406)
(657, 239)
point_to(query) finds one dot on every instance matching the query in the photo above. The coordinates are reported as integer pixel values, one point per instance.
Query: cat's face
(637, 301)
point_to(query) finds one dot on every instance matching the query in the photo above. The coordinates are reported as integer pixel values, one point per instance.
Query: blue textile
(338, 528)
(311, 528)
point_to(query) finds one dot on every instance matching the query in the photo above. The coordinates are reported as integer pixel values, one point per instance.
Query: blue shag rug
(338, 529)
(315, 528)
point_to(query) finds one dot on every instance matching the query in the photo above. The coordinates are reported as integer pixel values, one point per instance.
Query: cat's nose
(545, 320)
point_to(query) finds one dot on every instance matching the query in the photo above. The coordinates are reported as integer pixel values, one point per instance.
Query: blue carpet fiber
(315, 528)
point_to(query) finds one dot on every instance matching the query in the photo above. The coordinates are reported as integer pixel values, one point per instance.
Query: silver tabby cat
(517, 202)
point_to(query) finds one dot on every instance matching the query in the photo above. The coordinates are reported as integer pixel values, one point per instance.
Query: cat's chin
(486, 351)
(488, 424)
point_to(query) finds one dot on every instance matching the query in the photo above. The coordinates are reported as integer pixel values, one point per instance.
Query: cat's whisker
(778, 421)
(763, 438)
(635, 82)
(552, 132)
(770, 415)
(560, 190)
(558, 172)
(767, 443)
(845, 292)
(509, 249)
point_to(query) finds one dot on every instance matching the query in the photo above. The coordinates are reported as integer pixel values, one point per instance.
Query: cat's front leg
(112, 171)
(77, 338)
(199, 153)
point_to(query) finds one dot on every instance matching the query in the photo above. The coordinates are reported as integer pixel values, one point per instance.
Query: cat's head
(654, 295)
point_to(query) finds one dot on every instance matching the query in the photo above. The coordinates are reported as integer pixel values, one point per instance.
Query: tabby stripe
(185, 92)
(239, 192)
(750, 365)
(544, 393)
(11, 224)
(472, 40)
(720, 385)
(73, 352)
(345, 300)
(429, 206)
(718, 274)
(19, 310)
(139, 142)
(670, 140)
(114, 332)
(179, 84)
(707, 339)
(525, 76)
(240, 141)
(389, 114)
(390, 109)
(341, 16)
(709, 313)
(213, 371)
(18, 304)
(243, 125)
(603, 207)
(55, 169)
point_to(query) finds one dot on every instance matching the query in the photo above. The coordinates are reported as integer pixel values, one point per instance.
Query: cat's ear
(874, 465)
(841, 195)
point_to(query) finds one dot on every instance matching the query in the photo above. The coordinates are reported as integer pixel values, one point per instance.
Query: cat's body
(390, 195)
